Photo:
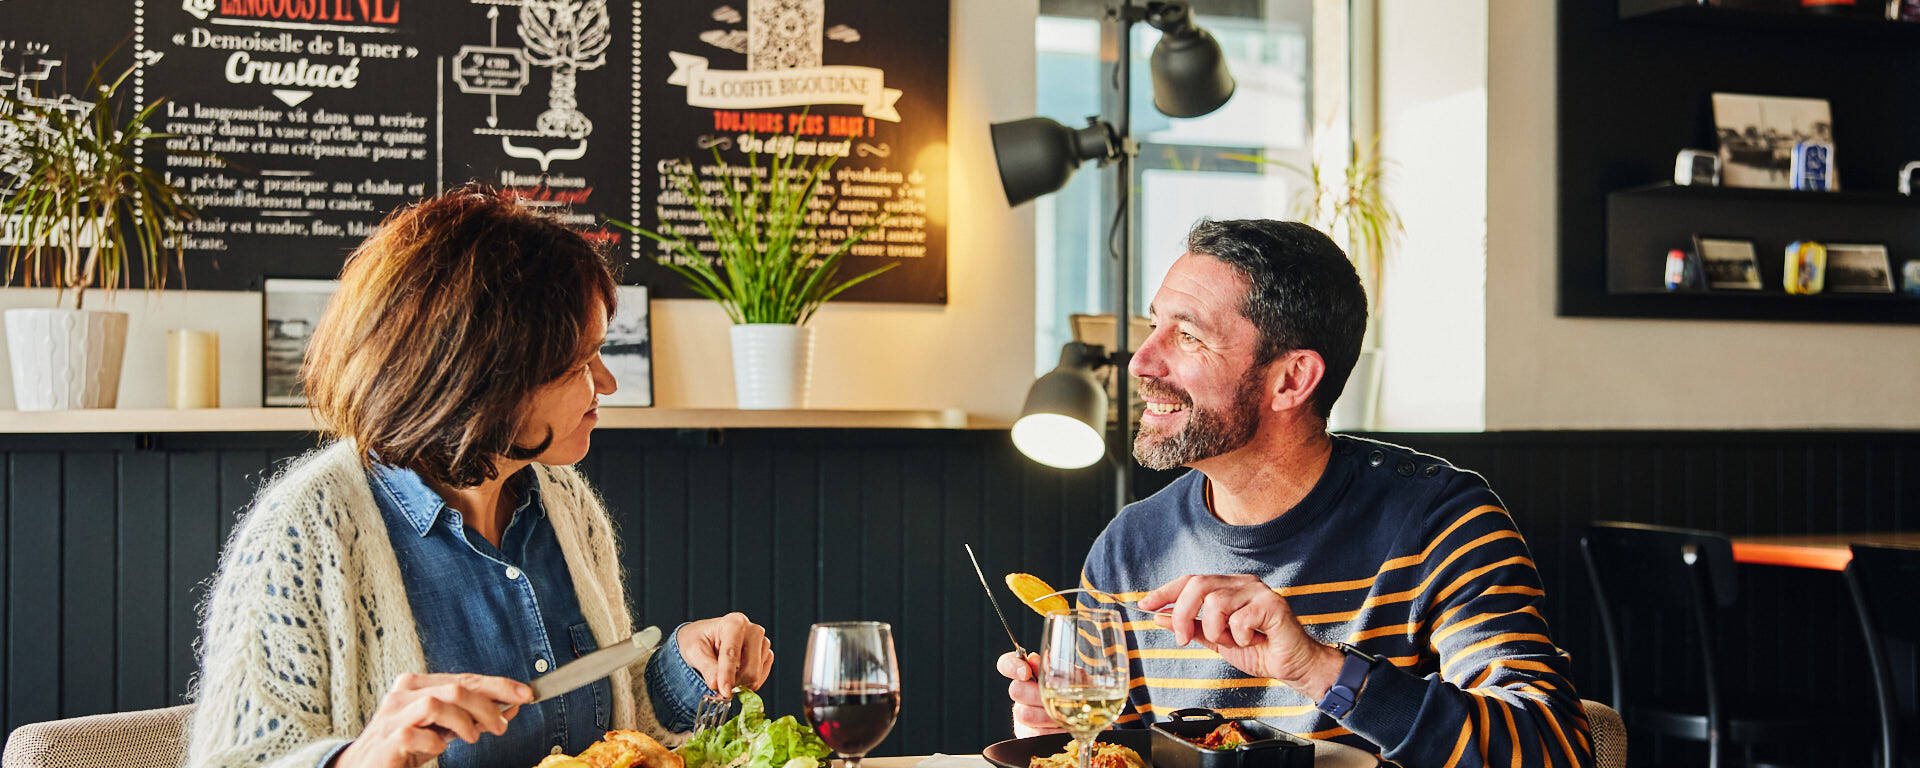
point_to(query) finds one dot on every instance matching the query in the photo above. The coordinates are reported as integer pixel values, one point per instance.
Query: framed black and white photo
(1728, 264)
(1858, 269)
(291, 310)
(628, 351)
(1757, 135)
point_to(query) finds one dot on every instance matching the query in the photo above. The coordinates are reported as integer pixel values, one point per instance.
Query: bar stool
(1645, 574)
(1884, 582)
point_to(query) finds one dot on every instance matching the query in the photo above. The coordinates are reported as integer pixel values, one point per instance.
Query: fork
(1107, 597)
(711, 712)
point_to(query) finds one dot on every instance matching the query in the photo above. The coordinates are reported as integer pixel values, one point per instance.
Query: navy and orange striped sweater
(1396, 552)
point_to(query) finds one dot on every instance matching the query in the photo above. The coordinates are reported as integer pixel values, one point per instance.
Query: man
(1323, 540)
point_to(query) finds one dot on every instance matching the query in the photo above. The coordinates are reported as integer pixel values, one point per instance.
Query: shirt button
(539, 665)
(1404, 469)
(1376, 458)
(512, 572)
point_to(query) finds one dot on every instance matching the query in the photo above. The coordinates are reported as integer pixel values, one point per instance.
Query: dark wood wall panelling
(107, 540)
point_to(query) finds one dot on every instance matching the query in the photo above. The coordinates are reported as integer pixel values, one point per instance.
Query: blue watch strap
(1346, 687)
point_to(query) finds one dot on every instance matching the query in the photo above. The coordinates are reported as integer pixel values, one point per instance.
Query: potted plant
(1349, 203)
(80, 206)
(769, 275)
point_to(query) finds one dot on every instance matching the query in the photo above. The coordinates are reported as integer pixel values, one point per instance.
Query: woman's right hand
(422, 714)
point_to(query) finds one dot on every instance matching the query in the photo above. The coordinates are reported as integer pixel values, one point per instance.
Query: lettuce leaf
(750, 740)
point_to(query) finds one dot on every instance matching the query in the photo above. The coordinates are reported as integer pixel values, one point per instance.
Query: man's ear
(1295, 377)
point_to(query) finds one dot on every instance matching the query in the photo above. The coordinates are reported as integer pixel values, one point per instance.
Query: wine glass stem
(854, 761)
(1086, 751)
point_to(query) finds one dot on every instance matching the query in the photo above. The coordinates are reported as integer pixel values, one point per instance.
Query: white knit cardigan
(308, 624)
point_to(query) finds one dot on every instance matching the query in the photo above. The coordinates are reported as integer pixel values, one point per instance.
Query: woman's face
(567, 405)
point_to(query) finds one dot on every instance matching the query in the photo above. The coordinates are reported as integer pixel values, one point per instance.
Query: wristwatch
(1346, 688)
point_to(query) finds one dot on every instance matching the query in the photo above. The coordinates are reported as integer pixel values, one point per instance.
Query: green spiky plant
(766, 273)
(87, 205)
(1350, 205)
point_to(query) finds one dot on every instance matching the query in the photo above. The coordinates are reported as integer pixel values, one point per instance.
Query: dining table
(1825, 552)
(1326, 754)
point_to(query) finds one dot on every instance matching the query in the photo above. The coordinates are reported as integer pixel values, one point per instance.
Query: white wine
(1084, 710)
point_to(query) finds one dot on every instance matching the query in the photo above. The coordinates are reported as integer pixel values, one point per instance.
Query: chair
(1609, 735)
(1884, 582)
(151, 738)
(1676, 583)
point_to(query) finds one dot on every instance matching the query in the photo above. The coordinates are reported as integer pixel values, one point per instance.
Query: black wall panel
(106, 543)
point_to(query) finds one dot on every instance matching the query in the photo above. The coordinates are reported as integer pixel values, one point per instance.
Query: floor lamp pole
(1122, 452)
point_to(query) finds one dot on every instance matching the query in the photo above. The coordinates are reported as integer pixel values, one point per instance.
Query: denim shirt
(510, 611)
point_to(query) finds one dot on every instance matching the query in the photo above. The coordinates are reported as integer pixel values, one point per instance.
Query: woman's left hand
(727, 651)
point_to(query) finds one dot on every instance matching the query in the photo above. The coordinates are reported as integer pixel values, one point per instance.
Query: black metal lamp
(1190, 76)
(1057, 423)
(1036, 156)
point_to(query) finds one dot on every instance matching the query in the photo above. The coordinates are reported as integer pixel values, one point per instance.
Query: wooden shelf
(138, 420)
(1796, 23)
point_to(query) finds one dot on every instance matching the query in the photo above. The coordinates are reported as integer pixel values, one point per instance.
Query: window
(1187, 168)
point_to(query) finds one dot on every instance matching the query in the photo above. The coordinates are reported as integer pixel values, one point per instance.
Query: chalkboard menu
(330, 113)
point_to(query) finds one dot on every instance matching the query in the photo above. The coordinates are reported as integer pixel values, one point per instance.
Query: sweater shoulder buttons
(1404, 468)
(1376, 458)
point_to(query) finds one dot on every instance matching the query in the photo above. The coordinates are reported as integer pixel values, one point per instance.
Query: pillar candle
(193, 369)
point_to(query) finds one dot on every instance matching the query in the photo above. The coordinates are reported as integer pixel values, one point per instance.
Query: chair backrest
(152, 738)
(1659, 587)
(1884, 582)
(1609, 735)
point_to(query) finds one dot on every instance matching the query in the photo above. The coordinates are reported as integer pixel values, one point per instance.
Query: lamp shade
(1063, 423)
(1037, 155)
(1190, 76)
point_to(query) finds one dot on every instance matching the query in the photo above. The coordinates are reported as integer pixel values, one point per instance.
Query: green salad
(750, 740)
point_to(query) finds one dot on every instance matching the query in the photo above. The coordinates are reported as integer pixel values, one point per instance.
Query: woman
(386, 596)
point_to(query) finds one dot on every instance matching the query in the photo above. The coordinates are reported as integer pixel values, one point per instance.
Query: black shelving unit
(1644, 223)
(1635, 84)
(1787, 19)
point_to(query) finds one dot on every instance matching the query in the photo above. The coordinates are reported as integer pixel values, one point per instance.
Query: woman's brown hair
(448, 318)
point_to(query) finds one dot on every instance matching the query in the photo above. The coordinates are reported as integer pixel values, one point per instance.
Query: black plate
(1016, 753)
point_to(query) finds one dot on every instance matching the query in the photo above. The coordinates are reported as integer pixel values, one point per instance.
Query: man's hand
(727, 651)
(1029, 713)
(1249, 625)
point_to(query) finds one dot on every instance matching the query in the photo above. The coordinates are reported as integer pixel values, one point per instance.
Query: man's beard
(1208, 433)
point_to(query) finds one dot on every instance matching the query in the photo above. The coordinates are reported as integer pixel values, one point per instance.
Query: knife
(996, 603)
(596, 665)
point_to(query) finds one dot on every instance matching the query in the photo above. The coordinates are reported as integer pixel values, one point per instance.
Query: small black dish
(1018, 753)
(1269, 747)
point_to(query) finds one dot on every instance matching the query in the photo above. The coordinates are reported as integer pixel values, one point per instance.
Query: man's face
(1195, 371)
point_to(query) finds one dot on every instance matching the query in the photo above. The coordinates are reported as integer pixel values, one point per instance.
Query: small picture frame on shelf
(290, 310)
(1858, 268)
(628, 350)
(1910, 277)
(1729, 264)
(1758, 134)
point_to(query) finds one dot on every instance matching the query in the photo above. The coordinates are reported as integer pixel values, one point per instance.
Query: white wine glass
(1083, 673)
(852, 692)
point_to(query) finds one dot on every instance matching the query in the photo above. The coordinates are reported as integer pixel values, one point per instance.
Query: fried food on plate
(619, 749)
(1029, 588)
(1105, 755)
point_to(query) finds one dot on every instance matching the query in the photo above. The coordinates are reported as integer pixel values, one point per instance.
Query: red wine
(852, 721)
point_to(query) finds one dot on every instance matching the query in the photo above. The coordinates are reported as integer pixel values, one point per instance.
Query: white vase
(772, 365)
(1358, 408)
(65, 358)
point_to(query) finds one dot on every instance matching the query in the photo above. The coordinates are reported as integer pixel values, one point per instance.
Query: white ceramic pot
(772, 365)
(65, 358)
(1358, 408)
